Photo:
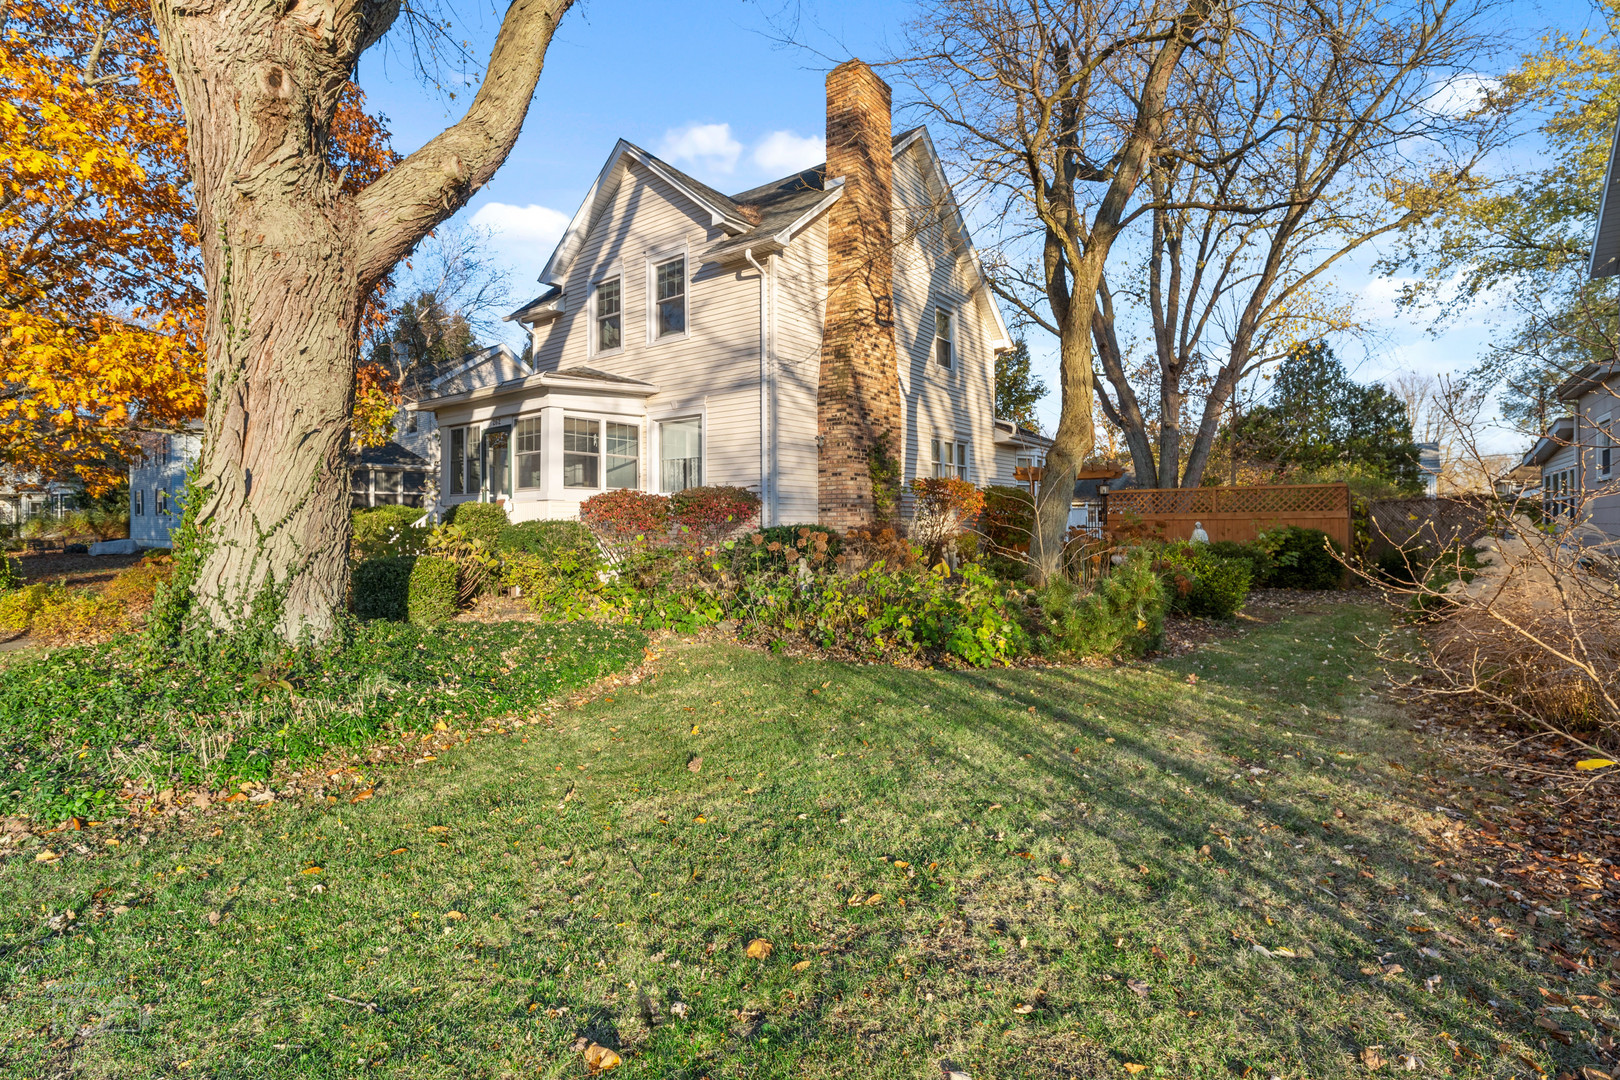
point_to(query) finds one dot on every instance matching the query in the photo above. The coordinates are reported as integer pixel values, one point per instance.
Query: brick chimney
(858, 399)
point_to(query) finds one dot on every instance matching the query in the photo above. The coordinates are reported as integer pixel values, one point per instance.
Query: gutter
(767, 400)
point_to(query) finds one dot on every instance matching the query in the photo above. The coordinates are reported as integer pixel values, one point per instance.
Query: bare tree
(1445, 410)
(289, 257)
(1054, 108)
(1306, 133)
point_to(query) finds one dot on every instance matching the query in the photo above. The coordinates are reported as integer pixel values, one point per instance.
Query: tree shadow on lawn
(1033, 921)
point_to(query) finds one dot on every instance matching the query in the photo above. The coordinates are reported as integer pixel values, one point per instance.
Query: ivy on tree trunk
(289, 258)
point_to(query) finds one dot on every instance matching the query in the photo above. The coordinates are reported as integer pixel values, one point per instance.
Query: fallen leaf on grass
(1023, 1010)
(47, 856)
(1420, 929)
(438, 828)
(455, 915)
(599, 1058)
(1551, 1027)
(310, 870)
(1138, 987)
(363, 796)
(801, 965)
(1371, 1058)
(759, 949)
(1133, 1068)
(238, 797)
(695, 765)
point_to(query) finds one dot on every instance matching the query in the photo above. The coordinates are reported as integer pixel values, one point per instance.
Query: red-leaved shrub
(626, 517)
(945, 509)
(714, 512)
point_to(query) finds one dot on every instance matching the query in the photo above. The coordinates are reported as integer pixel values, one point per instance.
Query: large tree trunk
(289, 258)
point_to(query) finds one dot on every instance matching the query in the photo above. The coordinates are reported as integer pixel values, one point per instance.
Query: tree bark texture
(289, 259)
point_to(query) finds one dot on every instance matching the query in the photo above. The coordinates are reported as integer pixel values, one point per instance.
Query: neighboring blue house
(157, 484)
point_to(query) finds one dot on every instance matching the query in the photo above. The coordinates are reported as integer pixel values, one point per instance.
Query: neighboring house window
(609, 315)
(1029, 462)
(527, 450)
(582, 452)
(680, 454)
(139, 498)
(944, 337)
(623, 455)
(950, 460)
(161, 501)
(410, 423)
(669, 283)
(1605, 443)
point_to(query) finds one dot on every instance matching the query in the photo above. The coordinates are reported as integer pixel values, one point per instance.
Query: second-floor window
(139, 498)
(609, 314)
(950, 460)
(669, 283)
(944, 338)
(1605, 445)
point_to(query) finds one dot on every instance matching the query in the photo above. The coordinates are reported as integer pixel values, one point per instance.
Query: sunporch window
(680, 454)
(526, 448)
(582, 452)
(623, 446)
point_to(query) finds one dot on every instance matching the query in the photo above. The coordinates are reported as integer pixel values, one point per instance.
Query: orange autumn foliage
(376, 403)
(101, 299)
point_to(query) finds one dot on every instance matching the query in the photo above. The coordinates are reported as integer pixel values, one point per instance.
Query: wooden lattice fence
(1432, 523)
(1236, 513)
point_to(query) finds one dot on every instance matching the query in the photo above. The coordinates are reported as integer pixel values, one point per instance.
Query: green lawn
(1026, 873)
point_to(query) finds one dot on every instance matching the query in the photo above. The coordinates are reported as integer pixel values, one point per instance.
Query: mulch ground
(1556, 845)
(75, 571)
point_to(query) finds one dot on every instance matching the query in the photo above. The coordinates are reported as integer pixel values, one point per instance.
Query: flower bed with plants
(694, 560)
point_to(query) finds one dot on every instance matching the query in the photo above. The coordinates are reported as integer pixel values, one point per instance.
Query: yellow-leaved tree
(101, 283)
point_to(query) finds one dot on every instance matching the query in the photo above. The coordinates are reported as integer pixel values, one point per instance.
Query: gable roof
(1587, 379)
(763, 218)
(1557, 437)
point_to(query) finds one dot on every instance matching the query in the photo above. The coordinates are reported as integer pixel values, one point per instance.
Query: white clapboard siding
(712, 371)
(932, 268)
(800, 306)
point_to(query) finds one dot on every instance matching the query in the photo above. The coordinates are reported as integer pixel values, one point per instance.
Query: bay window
(582, 452)
(680, 454)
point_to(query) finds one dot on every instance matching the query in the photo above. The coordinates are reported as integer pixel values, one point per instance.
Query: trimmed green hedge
(1302, 558)
(431, 595)
(1201, 583)
(545, 538)
(481, 521)
(381, 588)
(387, 530)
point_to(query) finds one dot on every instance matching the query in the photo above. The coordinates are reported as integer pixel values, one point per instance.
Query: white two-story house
(1580, 469)
(782, 339)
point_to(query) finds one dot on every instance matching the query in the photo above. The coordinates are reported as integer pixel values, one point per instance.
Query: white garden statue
(1199, 536)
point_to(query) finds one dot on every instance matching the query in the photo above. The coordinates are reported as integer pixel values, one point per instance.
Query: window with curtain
(526, 448)
(680, 454)
(454, 461)
(582, 452)
(670, 285)
(623, 449)
(609, 314)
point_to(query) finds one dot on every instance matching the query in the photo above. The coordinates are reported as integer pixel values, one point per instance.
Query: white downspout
(767, 421)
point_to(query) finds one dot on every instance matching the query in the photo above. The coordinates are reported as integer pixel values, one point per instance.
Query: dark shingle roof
(778, 204)
(389, 453)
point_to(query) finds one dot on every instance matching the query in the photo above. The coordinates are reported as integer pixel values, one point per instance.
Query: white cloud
(785, 152)
(707, 146)
(529, 226)
(1460, 94)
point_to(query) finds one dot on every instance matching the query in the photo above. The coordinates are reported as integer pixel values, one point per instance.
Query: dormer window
(945, 337)
(669, 283)
(609, 315)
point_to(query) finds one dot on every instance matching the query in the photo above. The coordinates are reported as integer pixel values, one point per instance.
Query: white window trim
(655, 258)
(592, 337)
(1606, 441)
(655, 465)
(959, 464)
(562, 464)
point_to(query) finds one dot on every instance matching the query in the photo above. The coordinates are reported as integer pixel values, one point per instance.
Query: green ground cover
(1058, 872)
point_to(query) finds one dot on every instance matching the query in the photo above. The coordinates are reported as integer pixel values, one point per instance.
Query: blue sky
(704, 83)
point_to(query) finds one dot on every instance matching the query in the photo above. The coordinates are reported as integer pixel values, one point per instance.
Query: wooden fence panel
(1237, 513)
(1434, 523)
